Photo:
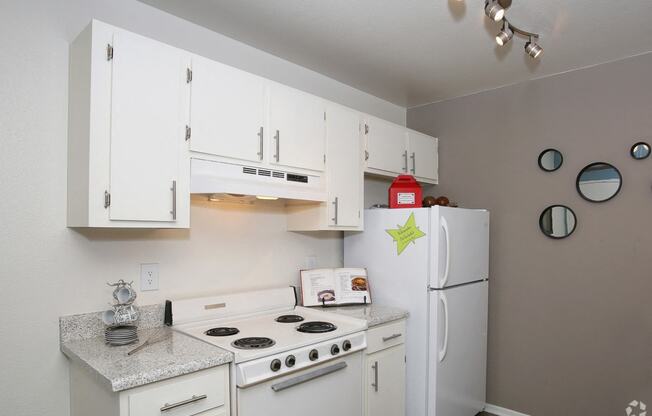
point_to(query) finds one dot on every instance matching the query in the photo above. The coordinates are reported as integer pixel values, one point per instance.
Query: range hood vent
(213, 177)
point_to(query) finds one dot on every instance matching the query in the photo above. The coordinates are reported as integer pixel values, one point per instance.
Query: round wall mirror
(557, 221)
(599, 182)
(550, 160)
(640, 150)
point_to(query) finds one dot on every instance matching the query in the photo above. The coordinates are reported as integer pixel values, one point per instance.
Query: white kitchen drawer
(385, 336)
(204, 392)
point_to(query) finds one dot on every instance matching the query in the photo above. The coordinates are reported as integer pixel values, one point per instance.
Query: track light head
(533, 49)
(494, 11)
(505, 35)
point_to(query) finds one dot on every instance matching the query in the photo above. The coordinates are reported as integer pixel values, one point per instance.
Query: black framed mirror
(557, 221)
(550, 160)
(599, 182)
(640, 151)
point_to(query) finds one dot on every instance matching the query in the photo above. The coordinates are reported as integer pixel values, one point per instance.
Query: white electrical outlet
(148, 277)
(311, 262)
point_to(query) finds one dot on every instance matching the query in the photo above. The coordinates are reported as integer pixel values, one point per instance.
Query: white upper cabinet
(385, 146)
(148, 115)
(344, 175)
(394, 150)
(128, 166)
(296, 128)
(227, 111)
(423, 156)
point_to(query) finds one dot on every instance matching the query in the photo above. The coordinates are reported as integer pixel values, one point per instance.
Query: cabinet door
(386, 382)
(297, 128)
(226, 111)
(423, 156)
(148, 117)
(344, 167)
(386, 146)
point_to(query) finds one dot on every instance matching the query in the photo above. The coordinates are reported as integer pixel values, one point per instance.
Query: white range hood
(213, 177)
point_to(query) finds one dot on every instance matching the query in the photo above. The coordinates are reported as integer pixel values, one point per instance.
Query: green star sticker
(406, 234)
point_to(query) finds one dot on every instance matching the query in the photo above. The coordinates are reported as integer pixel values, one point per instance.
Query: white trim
(501, 411)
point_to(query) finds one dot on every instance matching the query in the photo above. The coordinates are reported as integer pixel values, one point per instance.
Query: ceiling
(413, 52)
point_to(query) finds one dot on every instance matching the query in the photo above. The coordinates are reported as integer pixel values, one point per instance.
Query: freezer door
(460, 244)
(457, 350)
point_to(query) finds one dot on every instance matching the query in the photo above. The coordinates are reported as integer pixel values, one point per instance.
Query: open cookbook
(334, 287)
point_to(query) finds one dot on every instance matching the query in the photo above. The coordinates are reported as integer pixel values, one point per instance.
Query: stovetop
(248, 342)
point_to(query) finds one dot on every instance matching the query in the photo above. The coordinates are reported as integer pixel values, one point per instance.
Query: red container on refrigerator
(405, 192)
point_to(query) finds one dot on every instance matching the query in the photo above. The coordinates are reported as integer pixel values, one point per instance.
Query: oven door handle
(308, 376)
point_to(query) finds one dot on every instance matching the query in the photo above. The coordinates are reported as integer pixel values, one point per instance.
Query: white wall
(48, 270)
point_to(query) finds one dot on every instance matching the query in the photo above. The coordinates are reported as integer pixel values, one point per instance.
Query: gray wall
(570, 321)
(48, 270)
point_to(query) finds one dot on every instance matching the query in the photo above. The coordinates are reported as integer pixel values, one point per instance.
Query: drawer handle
(193, 399)
(391, 337)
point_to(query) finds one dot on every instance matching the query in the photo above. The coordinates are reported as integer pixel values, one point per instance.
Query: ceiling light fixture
(533, 49)
(505, 34)
(494, 10)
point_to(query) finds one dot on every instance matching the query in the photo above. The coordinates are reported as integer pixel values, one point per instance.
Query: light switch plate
(148, 277)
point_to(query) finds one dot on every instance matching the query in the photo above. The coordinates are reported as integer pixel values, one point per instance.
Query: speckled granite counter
(175, 355)
(374, 314)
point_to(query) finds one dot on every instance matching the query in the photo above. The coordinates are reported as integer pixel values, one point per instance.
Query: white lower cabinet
(204, 393)
(385, 370)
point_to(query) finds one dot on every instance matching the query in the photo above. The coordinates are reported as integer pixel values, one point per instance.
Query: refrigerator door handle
(444, 226)
(444, 349)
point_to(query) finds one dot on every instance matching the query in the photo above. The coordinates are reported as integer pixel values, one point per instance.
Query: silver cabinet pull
(414, 163)
(174, 200)
(375, 383)
(405, 168)
(308, 376)
(260, 146)
(336, 204)
(277, 137)
(193, 399)
(391, 337)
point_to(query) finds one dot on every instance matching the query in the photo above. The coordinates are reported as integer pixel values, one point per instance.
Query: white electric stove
(288, 360)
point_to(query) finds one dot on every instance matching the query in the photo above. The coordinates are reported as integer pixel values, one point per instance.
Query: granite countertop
(176, 354)
(374, 314)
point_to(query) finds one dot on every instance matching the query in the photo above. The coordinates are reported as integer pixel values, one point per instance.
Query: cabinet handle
(193, 399)
(277, 137)
(391, 337)
(260, 146)
(405, 168)
(414, 163)
(375, 383)
(336, 205)
(174, 200)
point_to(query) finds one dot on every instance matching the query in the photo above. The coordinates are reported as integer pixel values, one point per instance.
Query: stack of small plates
(121, 335)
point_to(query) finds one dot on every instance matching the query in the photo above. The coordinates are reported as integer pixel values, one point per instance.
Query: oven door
(332, 388)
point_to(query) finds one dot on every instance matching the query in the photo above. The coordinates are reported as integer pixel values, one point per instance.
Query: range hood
(213, 177)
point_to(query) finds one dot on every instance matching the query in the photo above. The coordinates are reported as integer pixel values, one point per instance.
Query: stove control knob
(275, 365)
(290, 361)
(335, 349)
(313, 355)
(346, 345)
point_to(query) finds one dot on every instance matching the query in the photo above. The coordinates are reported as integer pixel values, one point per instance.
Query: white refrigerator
(434, 262)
